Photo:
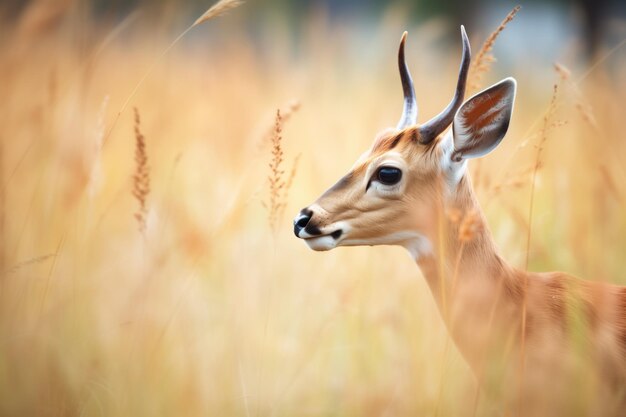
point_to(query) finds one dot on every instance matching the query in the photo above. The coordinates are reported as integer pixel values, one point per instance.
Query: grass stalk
(537, 163)
(214, 11)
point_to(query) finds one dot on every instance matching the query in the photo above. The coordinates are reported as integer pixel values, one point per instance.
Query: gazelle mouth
(323, 242)
(335, 235)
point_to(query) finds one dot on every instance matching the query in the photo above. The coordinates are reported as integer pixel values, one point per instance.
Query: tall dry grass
(141, 177)
(279, 183)
(484, 59)
(207, 314)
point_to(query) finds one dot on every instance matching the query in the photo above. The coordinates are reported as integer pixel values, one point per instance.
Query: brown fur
(390, 140)
(483, 106)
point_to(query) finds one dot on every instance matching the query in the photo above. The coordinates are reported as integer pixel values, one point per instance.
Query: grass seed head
(484, 58)
(141, 177)
(217, 10)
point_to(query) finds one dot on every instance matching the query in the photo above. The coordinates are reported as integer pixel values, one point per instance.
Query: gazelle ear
(482, 121)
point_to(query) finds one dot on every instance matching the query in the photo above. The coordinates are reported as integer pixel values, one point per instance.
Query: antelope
(410, 189)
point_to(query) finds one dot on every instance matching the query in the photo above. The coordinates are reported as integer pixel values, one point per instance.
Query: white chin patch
(321, 243)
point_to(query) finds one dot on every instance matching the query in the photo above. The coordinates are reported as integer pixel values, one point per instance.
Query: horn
(433, 128)
(409, 112)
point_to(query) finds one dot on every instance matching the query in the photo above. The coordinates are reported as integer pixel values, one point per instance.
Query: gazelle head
(390, 195)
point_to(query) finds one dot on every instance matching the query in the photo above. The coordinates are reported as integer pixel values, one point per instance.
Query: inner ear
(483, 120)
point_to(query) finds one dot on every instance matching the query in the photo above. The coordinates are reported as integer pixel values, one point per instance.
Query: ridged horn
(433, 128)
(409, 112)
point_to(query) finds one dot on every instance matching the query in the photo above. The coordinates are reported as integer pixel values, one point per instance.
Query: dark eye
(389, 175)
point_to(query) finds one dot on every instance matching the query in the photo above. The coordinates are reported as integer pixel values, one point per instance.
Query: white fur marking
(452, 170)
(321, 243)
(418, 246)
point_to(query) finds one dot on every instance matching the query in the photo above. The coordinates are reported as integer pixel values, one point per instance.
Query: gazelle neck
(471, 283)
(460, 240)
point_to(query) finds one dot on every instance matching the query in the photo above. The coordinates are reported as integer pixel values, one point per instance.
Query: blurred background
(147, 263)
(593, 22)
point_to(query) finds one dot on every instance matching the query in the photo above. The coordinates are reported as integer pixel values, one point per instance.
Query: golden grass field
(211, 312)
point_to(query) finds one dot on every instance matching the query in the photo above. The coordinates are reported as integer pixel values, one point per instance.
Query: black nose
(301, 221)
